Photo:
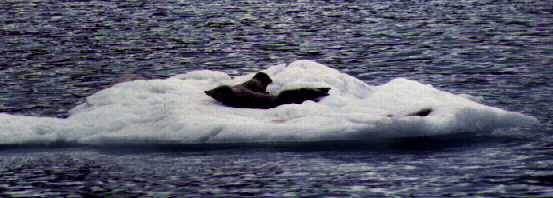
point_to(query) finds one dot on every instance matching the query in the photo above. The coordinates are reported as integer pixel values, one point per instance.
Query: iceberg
(176, 110)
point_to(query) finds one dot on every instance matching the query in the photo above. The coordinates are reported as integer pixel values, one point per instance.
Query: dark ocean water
(55, 53)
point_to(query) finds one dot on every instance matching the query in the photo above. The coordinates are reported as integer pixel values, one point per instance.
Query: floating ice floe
(176, 110)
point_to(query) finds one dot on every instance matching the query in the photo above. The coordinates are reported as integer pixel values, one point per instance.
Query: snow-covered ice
(176, 110)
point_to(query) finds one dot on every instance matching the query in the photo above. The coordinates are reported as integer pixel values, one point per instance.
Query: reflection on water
(484, 169)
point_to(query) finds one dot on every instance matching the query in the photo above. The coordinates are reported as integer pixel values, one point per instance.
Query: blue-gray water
(55, 53)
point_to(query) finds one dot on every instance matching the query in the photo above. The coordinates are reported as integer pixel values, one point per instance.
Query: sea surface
(55, 53)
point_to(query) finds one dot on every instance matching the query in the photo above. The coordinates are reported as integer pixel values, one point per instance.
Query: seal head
(258, 83)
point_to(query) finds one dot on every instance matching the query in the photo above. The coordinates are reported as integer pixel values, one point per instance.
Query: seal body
(298, 96)
(240, 97)
(252, 94)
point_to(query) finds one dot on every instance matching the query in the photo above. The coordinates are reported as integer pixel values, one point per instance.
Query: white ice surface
(176, 110)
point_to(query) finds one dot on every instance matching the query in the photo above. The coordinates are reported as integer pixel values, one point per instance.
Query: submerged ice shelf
(176, 110)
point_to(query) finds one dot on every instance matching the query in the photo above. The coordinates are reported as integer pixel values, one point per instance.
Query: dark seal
(252, 94)
(423, 112)
(258, 83)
